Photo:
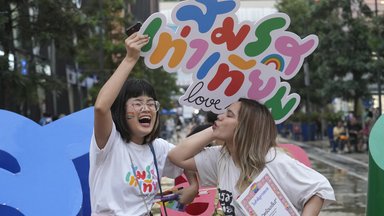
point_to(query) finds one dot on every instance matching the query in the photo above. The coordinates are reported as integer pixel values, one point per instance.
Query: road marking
(338, 167)
(341, 156)
(321, 159)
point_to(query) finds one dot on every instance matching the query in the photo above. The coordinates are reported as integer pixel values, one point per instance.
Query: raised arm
(111, 89)
(182, 155)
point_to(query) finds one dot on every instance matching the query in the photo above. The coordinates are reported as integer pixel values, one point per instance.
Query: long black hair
(133, 88)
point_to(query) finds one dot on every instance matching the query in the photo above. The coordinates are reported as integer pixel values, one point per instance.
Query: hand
(187, 195)
(133, 45)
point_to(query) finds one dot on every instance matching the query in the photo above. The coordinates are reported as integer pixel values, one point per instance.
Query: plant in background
(333, 117)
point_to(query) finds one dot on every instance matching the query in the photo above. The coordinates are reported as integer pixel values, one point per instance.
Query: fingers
(133, 45)
(135, 37)
(142, 42)
(132, 35)
(136, 40)
(187, 195)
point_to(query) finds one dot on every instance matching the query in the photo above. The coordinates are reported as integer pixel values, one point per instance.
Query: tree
(163, 82)
(300, 12)
(341, 63)
(377, 45)
(25, 27)
(107, 39)
(92, 35)
(346, 55)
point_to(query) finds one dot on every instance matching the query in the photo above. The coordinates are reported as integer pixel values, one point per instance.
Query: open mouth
(145, 120)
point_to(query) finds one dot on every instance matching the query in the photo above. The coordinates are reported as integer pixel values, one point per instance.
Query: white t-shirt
(298, 181)
(112, 183)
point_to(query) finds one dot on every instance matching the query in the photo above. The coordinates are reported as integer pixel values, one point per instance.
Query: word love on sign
(228, 59)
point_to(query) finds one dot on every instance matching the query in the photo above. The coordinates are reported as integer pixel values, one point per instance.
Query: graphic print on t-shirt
(146, 178)
(225, 199)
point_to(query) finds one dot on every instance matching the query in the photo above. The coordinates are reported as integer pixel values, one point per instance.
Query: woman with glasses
(127, 159)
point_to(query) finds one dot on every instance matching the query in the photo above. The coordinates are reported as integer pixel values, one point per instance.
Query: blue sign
(44, 169)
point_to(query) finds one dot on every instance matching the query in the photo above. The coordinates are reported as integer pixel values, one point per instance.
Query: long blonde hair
(254, 135)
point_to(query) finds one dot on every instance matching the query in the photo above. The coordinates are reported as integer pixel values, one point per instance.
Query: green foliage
(329, 116)
(100, 53)
(347, 33)
(377, 45)
(304, 117)
(333, 117)
(300, 14)
(25, 25)
(163, 82)
(343, 59)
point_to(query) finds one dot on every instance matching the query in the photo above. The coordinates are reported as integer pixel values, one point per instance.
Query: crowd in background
(347, 134)
(352, 133)
(173, 124)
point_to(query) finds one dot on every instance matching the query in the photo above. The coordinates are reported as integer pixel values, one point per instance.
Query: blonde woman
(249, 133)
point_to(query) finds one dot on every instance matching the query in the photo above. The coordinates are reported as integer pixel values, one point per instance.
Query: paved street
(348, 174)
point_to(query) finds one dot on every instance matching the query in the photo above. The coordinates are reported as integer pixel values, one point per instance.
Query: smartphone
(132, 29)
(166, 198)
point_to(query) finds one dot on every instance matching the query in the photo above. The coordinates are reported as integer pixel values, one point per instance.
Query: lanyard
(158, 180)
(158, 177)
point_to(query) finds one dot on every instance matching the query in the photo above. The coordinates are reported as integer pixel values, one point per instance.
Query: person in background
(376, 113)
(179, 125)
(127, 159)
(339, 136)
(296, 131)
(46, 119)
(365, 133)
(169, 128)
(355, 135)
(210, 119)
(249, 134)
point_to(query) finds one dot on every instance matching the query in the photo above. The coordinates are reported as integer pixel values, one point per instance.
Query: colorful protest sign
(228, 59)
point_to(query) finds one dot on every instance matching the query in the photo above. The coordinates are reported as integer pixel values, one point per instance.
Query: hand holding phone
(132, 29)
